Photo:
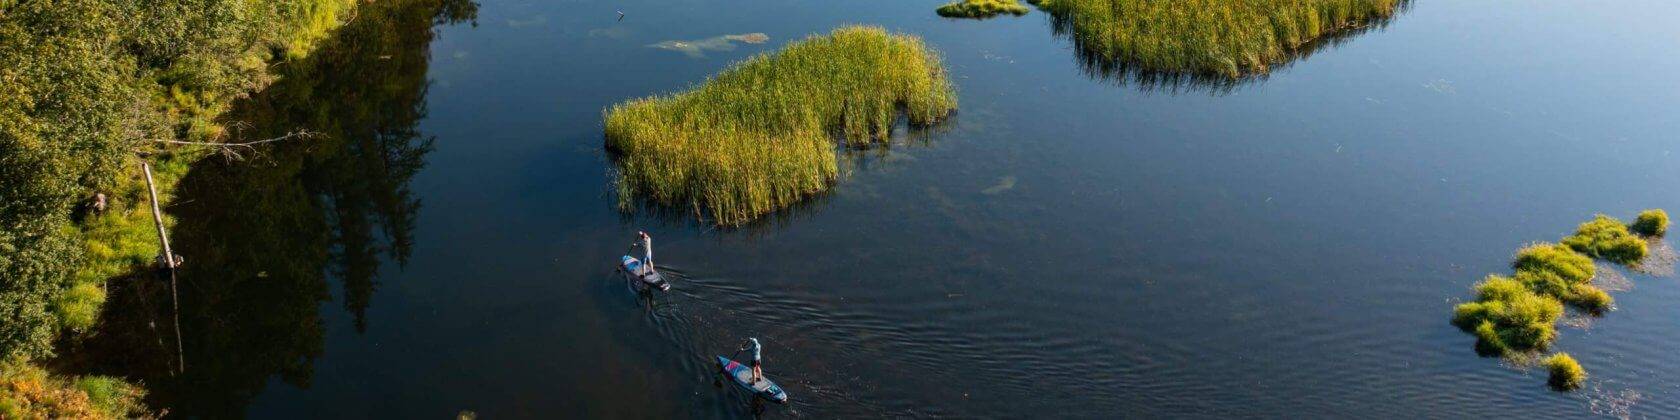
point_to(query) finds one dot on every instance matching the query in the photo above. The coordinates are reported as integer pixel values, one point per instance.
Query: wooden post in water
(169, 263)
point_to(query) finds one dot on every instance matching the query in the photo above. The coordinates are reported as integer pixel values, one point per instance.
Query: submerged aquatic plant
(756, 137)
(980, 9)
(697, 48)
(1227, 39)
(1607, 238)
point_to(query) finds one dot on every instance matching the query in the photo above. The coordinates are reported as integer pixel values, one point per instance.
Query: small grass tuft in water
(980, 9)
(1508, 316)
(1219, 37)
(1607, 238)
(756, 137)
(1653, 222)
(1564, 372)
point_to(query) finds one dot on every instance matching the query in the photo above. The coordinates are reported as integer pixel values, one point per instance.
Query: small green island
(1228, 39)
(757, 137)
(981, 9)
(1517, 315)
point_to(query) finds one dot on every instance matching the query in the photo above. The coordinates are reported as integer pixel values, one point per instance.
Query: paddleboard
(742, 374)
(645, 274)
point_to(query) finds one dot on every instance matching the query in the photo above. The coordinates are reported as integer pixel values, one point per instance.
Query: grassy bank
(90, 89)
(1214, 37)
(1518, 314)
(756, 137)
(28, 392)
(980, 9)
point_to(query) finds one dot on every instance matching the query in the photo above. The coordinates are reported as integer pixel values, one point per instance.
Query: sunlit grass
(1564, 373)
(981, 8)
(1508, 316)
(1571, 266)
(1218, 37)
(1607, 238)
(1653, 222)
(1516, 316)
(756, 137)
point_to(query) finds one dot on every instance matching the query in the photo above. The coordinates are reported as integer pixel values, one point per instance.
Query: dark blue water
(1067, 246)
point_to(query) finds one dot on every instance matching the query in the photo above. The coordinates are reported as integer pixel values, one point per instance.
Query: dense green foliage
(1607, 238)
(268, 236)
(756, 138)
(1214, 37)
(28, 392)
(1653, 222)
(1564, 373)
(976, 9)
(87, 86)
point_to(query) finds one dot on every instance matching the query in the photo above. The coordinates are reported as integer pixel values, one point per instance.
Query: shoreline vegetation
(1515, 316)
(760, 136)
(91, 89)
(1208, 41)
(981, 9)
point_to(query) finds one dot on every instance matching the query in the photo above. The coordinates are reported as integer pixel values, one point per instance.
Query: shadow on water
(1121, 72)
(263, 236)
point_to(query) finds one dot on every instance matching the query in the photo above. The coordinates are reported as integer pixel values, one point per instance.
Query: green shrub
(1217, 37)
(1557, 259)
(112, 396)
(1653, 222)
(756, 138)
(1607, 238)
(976, 9)
(1565, 372)
(78, 308)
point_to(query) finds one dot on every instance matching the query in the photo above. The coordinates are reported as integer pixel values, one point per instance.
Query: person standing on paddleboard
(757, 359)
(647, 245)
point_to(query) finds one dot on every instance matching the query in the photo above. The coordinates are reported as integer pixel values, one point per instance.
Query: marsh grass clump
(1564, 372)
(1653, 222)
(757, 137)
(1607, 238)
(1507, 316)
(1216, 37)
(980, 9)
(1562, 261)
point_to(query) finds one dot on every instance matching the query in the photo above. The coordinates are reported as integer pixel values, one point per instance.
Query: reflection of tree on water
(1103, 67)
(262, 235)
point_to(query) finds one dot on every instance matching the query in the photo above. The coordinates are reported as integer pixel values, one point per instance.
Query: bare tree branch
(231, 149)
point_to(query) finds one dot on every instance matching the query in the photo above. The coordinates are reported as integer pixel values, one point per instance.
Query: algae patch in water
(758, 137)
(697, 48)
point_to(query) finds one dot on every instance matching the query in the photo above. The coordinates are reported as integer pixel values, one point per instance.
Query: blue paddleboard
(742, 374)
(647, 275)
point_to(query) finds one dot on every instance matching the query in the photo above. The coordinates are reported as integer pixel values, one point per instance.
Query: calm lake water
(1070, 245)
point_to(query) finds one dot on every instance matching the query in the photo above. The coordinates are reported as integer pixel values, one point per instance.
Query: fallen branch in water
(230, 150)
